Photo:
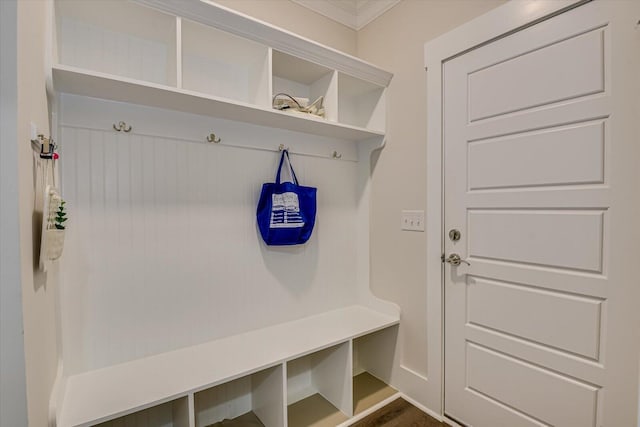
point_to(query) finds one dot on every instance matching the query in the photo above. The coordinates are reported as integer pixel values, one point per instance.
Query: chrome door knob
(454, 259)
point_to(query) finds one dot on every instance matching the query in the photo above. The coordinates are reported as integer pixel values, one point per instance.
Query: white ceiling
(352, 13)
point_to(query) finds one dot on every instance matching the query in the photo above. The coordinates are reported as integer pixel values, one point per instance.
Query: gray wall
(13, 398)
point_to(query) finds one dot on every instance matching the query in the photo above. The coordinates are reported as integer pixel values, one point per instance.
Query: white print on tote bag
(285, 211)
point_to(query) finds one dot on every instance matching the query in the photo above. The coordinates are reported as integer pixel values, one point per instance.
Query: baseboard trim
(423, 408)
(414, 373)
(451, 422)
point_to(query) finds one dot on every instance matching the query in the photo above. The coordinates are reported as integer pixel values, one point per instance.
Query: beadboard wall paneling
(163, 249)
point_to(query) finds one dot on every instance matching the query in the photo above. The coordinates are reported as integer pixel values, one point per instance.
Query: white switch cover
(412, 220)
(33, 128)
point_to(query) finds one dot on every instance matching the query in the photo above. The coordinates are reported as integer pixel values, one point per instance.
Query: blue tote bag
(286, 210)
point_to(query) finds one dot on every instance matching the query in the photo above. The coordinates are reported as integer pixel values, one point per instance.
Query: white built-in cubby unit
(205, 59)
(172, 310)
(285, 374)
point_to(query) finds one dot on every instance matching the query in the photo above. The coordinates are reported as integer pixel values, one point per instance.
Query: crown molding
(369, 10)
(354, 14)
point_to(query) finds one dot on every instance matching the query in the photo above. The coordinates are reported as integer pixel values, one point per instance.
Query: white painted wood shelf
(68, 79)
(115, 391)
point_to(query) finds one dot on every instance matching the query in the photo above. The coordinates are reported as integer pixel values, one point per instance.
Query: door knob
(454, 259)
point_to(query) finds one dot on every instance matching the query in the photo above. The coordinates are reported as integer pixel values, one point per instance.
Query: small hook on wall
(213, 138)
(281, 147)
(336, 155)
(122, 127)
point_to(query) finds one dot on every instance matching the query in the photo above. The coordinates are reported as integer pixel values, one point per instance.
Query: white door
(541, 158)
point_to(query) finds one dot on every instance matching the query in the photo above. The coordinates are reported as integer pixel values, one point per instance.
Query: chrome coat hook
(213, 138)
(336, 155)
(122, 127)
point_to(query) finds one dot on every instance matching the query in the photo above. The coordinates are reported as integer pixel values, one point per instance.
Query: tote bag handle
(293, 173)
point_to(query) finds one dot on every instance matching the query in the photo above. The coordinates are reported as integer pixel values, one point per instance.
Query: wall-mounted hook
(45, 147)
(282, 147)
(336, 155)
(122, 127)
(213, 138)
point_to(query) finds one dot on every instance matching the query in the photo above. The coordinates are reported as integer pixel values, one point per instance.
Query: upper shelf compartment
(107, 36)
(201, 58)
(361, 103)
(221, 64)
(303, 79)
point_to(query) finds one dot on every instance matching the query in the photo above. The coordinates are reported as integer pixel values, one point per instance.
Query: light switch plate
(412, 220)
(33, 129)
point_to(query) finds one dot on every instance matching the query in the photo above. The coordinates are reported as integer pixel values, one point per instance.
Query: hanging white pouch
(53, 229)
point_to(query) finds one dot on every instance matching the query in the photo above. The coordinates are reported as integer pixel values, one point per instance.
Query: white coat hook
(281, 147)
(336, 155)
(122, 127)
(213, 138)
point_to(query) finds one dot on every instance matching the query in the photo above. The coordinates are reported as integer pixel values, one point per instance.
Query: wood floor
(399, 413)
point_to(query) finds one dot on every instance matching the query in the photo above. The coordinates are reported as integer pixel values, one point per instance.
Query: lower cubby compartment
(373, 357)
(319, 388)
(254, 400)
(170, 414)
(369, 391)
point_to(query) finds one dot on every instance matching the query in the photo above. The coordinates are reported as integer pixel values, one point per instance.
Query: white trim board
(355, 14)
(495, 24)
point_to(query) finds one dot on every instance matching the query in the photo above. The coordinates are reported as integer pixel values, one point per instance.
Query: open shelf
(170, 414)
(369, 391)
(373, 356)
(106, 36)
(100, 394)
(253, 397)
(304, 79)
(217, 63)
(99, 85)
(203, 59)
(361, 103)
(326, 372)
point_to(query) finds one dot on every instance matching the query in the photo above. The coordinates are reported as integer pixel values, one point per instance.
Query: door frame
(497, 23)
